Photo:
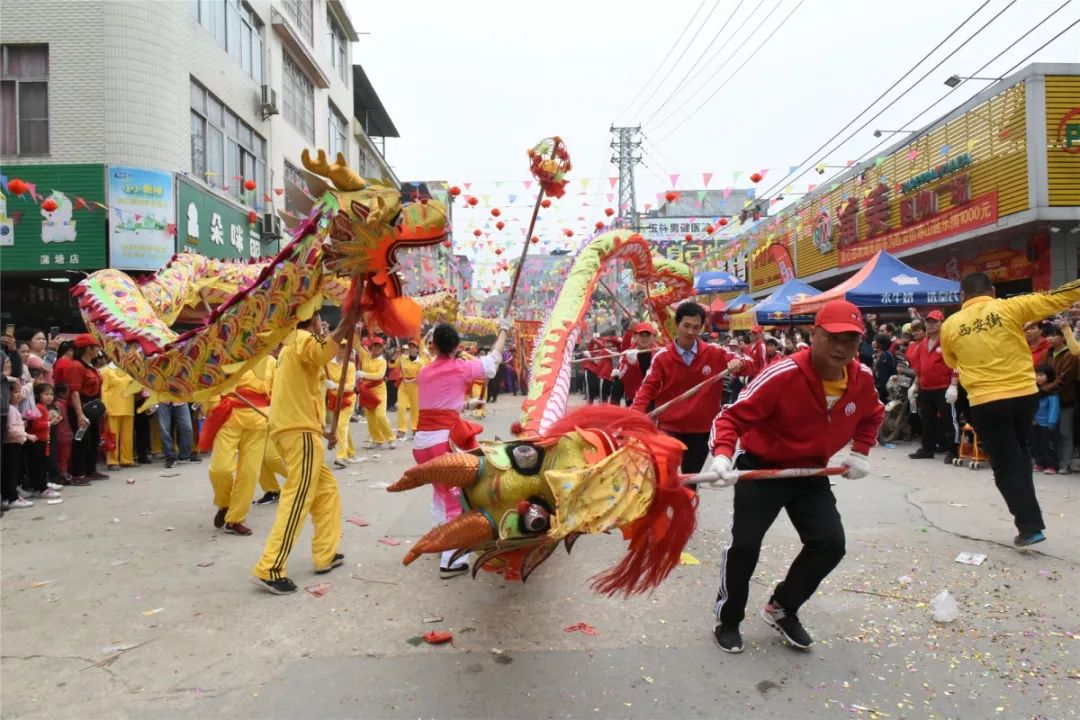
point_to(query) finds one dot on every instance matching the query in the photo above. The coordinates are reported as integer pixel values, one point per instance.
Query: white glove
(631, 355)
(369, 376)
(473, 403)
(913, 391)
(330, 384)
(724, 469)
(857, 464)
(506, 324)
(952, 394)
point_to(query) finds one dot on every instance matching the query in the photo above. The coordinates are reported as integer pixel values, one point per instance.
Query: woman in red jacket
(797, 413)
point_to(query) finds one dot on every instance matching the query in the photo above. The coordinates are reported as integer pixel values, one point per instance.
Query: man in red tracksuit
(676, 368)
(796, 414)
(634, 364)
(932, 380)
(757, 351)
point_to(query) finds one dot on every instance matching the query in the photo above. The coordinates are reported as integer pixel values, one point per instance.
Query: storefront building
(993, 187)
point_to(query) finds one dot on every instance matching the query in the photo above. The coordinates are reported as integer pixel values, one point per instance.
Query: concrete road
(124, 601)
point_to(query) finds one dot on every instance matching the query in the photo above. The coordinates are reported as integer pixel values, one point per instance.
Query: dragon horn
(319, 165)
(450, 470)
(344, 176)
(464, 531)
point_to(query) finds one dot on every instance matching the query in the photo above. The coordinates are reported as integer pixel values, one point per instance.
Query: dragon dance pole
(766, 473)
(692, 391)
(331, 439)
(524, 252)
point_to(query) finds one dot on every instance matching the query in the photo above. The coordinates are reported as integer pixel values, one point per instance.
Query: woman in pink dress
(441, 386)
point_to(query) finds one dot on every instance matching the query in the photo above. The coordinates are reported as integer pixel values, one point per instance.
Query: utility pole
(626, 144)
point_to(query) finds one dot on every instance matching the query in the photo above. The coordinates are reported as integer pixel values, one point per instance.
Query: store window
(225, 151)
(295, 177)
(303, 14)
(298, 96)
(24, 99)
(339, 48)
(338, 133)
(236, 28)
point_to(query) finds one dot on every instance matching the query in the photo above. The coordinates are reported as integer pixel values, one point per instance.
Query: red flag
(79, 203)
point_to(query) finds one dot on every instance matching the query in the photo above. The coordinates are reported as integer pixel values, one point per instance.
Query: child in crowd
(1044, 427)
(36, 450)
(11, 453)
(61, 448)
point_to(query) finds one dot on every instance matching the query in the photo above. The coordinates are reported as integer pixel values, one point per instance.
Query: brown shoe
(219, 517)
(78, 481)
(237, 529)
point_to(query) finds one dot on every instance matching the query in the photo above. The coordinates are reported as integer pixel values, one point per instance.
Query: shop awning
(886, 282)
(776, 308)
(736, 304)
(716, 281)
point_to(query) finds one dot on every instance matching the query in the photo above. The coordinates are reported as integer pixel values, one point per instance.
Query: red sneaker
(237, 529)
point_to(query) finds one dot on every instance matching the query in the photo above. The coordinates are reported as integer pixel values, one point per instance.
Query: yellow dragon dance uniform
(120, 410)
(409, 393)
(345, 447)
(373, 373)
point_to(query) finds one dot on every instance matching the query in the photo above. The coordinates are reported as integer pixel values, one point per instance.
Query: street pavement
(125, 602)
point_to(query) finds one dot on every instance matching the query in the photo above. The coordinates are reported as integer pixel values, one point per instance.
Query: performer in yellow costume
(297, 414)
(235, 433)
(120, 409)
(346, 452)
(408, 394)
(373, 374)
(272, 464)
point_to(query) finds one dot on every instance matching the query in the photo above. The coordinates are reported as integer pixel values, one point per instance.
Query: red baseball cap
(85, 340)
(935, 315)
(643, 327)
(376, 340)
(757, 329)
(839, 316)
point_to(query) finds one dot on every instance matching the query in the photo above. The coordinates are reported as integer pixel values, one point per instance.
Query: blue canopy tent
(776, 308)
(718, 281)
(886, 282)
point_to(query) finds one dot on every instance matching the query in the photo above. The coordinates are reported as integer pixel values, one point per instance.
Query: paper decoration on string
(705, 178)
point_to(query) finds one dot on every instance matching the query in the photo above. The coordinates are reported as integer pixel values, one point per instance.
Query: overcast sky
(472, 85)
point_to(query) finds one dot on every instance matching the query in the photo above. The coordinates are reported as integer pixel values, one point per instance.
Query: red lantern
(49, 205)
(447, 243)
(498, 251)
(496, 212)
(253, 217)
(609, 212)
(688, 237)
(722, 222)
(17, 186)
(454, 191)
(710, 229)
(568, 232)
(477, 232)
(756, 177)
(671, 196)
(472, 201)
(249, 185)
(500, 225)
(535, 240)
(599, 225)
(545, 203)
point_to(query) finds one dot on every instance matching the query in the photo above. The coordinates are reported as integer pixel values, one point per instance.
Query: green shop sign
(936, 173)
(71, 236)
(214, 227)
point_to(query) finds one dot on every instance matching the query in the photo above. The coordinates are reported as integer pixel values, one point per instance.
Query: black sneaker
(338, 561)
(284, 586)
(219, 517)
(170, 462)
(950, 458)
(1024, 541)
(267, 498)
(454, 570)
(729, 638)
(788, 625)
(921, 454)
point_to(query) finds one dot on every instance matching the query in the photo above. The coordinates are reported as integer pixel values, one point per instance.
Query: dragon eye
(526, 457)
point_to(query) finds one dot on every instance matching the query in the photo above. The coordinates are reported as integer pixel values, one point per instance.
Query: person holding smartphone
(84, 386)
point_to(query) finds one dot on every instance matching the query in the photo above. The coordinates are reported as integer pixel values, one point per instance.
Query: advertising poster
(142, 216)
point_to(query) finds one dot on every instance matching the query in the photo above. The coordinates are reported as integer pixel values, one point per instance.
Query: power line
(696, 62)
(666, 56)
(925, 110)
(742, 65)
(878, 99)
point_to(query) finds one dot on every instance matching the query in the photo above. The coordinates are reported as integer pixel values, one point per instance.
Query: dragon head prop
(597, 469)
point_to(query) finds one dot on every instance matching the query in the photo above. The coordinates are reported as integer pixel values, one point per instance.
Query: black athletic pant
(11, 470)
(592, 386)
(697, 452)
(84, 453)
(1004, 427)
(811, 507)
(936, 415)
(37, 466)
(617, 391)
(142, 435)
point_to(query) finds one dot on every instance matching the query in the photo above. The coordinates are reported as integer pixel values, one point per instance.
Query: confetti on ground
(647, 679)
(41, 583)
(968, 558)
(438, 637)
(155, 611)
(378, 486)
(206, 564)
(686, 558)
(169, 528)
(392, 542)
(358, 521)
(582, 628)
(429, 620)
(319, 589)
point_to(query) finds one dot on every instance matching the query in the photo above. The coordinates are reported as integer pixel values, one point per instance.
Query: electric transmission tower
(626, 145)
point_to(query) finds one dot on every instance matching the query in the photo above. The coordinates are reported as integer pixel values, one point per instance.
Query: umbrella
(718, 281)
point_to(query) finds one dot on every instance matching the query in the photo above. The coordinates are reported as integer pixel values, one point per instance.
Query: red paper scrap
(392, 542)
(358, 521)
(318, 590)
(438, 637)
(581, 627)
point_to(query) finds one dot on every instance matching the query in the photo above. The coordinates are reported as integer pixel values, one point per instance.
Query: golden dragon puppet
(346, 248)
(593, 470)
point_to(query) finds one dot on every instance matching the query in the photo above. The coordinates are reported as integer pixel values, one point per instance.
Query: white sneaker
(393, 445)
(21, 503)
(53, 486)
(353, 460)
(47, 493)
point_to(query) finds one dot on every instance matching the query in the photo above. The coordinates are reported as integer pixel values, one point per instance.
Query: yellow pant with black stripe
(235, 461)
(272, 465)
(310, 488)
(377, 423)
(408, 404)
(345, 447)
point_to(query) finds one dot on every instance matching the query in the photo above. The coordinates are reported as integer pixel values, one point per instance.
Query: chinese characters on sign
(877, 210)
(142, 218)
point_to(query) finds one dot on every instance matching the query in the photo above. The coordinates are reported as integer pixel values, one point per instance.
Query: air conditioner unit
(269, 102)
(271, 227)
